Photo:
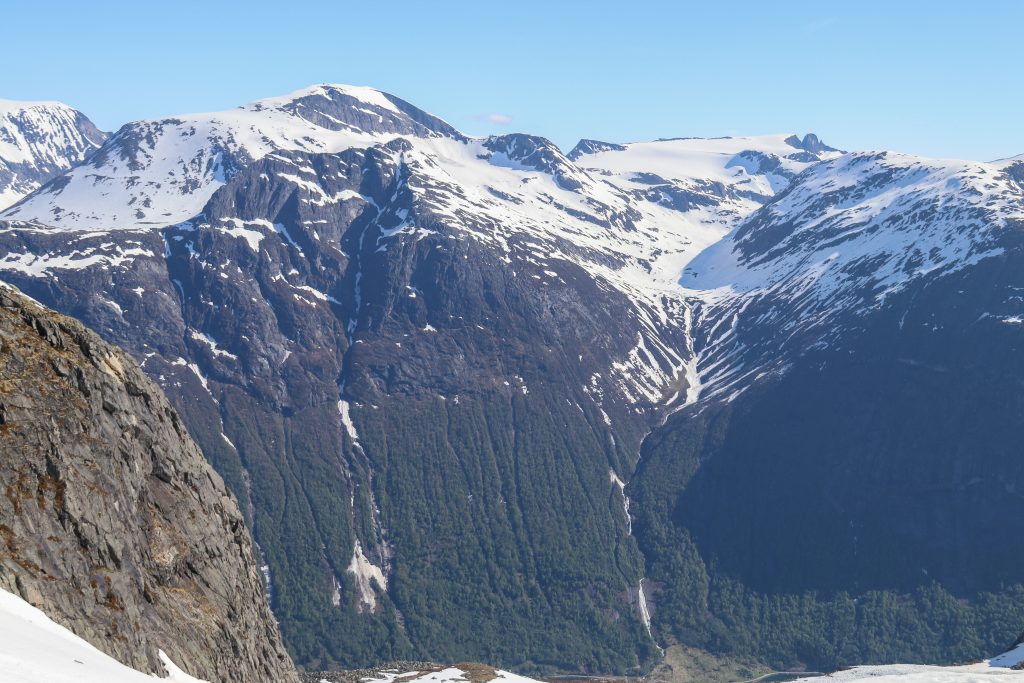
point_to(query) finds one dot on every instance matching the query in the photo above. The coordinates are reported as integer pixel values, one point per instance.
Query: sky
(936, 78)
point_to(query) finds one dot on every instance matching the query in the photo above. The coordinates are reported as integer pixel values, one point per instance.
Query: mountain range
(480, 399)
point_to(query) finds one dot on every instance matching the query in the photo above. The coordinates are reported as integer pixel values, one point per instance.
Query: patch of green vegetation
(706, 609)
(683, 664)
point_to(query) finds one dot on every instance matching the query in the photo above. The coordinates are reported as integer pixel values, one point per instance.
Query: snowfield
(37, 650)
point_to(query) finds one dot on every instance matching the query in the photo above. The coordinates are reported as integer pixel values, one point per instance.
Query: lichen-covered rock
(111, 520)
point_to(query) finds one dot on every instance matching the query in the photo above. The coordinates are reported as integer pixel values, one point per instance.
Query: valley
(689, 409)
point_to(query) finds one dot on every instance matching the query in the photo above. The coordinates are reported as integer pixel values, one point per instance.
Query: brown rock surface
(111, 520)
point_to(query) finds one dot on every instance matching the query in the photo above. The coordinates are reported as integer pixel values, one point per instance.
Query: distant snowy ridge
(694, 230)
(631, 215)
(34, 649)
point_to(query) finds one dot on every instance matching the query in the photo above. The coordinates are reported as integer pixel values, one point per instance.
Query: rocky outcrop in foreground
(111, 521)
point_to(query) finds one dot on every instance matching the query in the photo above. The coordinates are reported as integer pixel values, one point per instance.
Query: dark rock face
(810, 143)
(759, 162)
(592, 146)
(537, 153)
(335, 109)
(1016, 171)
(696, 194)
(111, 521)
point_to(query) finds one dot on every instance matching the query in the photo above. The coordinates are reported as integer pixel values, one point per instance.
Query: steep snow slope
(39, 140)
(160, 172)
(34, 649)
(915, 215)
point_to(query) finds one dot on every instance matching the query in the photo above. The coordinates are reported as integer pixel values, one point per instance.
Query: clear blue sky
(939, 78)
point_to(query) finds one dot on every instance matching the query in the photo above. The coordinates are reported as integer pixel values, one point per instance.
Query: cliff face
(111, 521)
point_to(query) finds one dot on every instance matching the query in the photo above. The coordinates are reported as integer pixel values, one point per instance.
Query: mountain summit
(39, 140)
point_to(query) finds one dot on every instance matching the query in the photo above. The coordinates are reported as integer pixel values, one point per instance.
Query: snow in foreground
(34, 649)
(995, 670)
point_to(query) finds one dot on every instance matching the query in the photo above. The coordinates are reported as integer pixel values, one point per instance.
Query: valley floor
(982, 672)
(37, 650)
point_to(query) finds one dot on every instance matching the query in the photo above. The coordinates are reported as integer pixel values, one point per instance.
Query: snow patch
(992, 671)
(346, 419)
(211, 344)
(365, 571)
(43, 265)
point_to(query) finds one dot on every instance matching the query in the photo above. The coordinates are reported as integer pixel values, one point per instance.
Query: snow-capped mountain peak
(899, 204)
(161, 171)
(39, 140)
(337, 107)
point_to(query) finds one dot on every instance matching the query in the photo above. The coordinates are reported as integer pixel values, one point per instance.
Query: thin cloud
(500, 119)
